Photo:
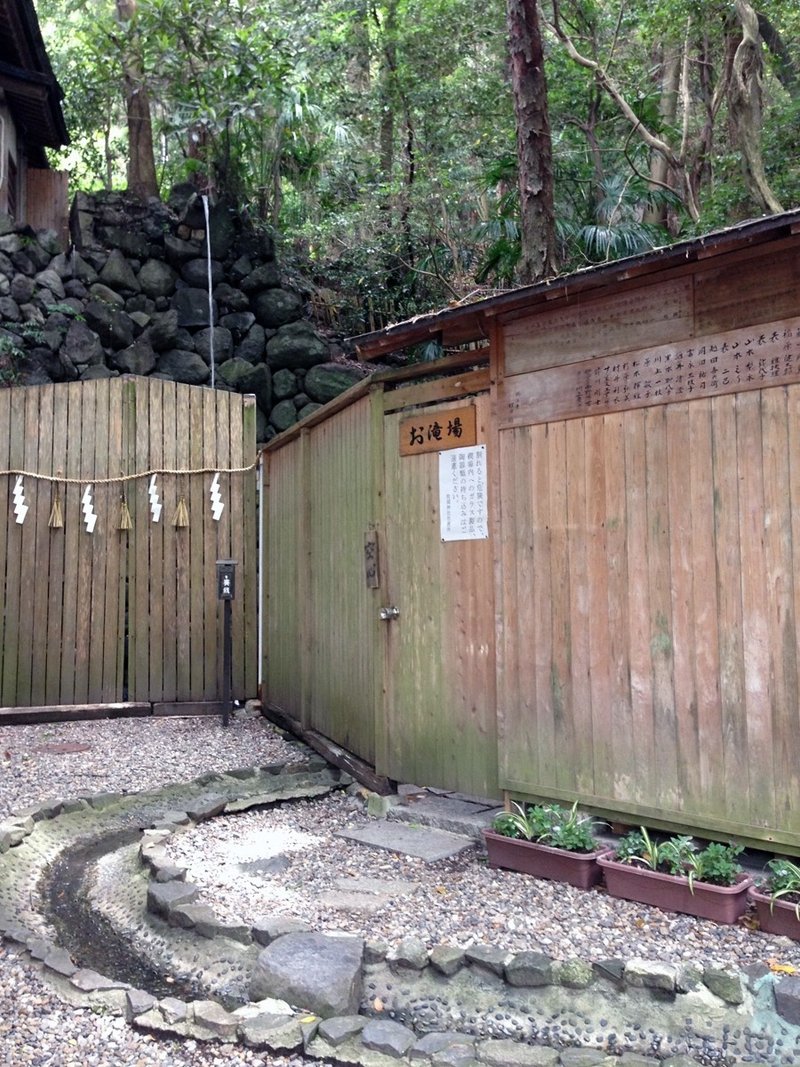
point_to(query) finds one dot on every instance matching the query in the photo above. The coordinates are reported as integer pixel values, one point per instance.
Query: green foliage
(379, 138)
(783, 881)
(548, 824)
(679, 855)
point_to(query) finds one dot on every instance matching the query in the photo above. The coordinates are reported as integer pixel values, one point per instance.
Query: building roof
(470, 322)
(28, 82)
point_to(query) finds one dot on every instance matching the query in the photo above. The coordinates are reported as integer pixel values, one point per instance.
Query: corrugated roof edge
(467, 321)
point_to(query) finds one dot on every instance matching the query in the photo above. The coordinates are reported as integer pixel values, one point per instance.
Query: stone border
(729, 1015)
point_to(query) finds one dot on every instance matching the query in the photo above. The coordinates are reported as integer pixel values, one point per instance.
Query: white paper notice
(463, 500)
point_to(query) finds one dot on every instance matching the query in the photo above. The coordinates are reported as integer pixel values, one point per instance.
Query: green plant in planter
(716, 864)
(783, 881)
(548, 824)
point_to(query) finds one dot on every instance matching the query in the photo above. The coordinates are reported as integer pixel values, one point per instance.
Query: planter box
(528, 857)
(779, 918)
(722, 904)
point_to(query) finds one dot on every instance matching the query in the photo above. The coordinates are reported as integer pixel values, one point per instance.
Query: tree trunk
(534, 145)
(670, 67)
(744, 107)
(142, 180)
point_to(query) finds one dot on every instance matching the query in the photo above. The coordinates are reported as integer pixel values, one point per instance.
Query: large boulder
(163, 331)
(327, 380)
(283, 415)
(223, 344)
(82, 346)
(157, 278)
(112, 325)
(118, 274)
(183, 366)
(192, 307)
(311, 971)
(254, 345)
(232, 371)
(257, 381)
(297, 346)
(267, 276)
(195, 272)
(138, 358)
(276, 307)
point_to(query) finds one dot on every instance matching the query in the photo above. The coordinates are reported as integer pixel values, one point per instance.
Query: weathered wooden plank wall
(648, 582)
(323, 649)
(113, 615)
(438, 721)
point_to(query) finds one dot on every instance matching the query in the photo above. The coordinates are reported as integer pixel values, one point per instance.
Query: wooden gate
(101, 602)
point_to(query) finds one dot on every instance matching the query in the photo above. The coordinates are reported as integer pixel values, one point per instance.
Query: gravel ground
(288, 860)
(36, 1029)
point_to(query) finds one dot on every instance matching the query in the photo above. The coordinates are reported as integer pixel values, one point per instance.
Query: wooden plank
(14, 548)
(542, 615)
(425, 432)
(171, 612)
(224, 526)
(770, 281)
(733, 751)
(664, 782)
(780, 608)
(599, 638)
(6, 488)
(236, 524)
(710, 365)
(104, 541)
(250, 517)
(182, 545)
(159, 629)
(210, 554)
(684, 638)
(72, 531)
(621, 741)
(789, 798)
(560, 681)
(755, 609)
(44, 566)
(57, 562)
(33, 563)
(304, 584)
(73, 712)
(139, 560)
(457, 386)
(114, 465)
(194, 564)
(89, 414)
(579, 329)
(703, 555)
(581, 710)
(639, 612)
(518, 704)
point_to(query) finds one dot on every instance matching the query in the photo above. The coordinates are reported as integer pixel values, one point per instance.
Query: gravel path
(288, 860)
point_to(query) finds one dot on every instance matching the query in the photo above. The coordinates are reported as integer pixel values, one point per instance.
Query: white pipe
(204, 198)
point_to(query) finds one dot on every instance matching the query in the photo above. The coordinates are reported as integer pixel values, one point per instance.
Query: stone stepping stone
(421, 842)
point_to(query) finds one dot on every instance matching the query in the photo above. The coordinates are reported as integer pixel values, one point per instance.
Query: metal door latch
(387, 614)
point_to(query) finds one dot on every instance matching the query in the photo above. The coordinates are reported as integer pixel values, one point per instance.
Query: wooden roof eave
(471, 322)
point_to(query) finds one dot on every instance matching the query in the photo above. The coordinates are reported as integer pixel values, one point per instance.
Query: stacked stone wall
(130, 296)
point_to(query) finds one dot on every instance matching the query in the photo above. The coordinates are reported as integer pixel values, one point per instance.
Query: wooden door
(438, 724)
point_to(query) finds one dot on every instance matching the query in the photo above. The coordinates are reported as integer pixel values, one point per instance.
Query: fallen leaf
(781, 968)
(377, 1004)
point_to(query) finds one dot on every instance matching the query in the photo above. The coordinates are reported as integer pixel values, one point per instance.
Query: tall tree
(534, 144)
(142, 179)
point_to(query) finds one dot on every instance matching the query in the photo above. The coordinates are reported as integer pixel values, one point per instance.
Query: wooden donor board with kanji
(730, 362)
(439, 430)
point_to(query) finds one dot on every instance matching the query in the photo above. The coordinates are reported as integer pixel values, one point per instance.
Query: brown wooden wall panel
(649, 644)
(747, 290)
(579, 328)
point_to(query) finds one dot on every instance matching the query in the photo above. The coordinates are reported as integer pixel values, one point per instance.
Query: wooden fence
(96, 613)
(628, 635)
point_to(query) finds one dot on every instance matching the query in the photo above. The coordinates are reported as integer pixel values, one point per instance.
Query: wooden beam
(333, 753)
